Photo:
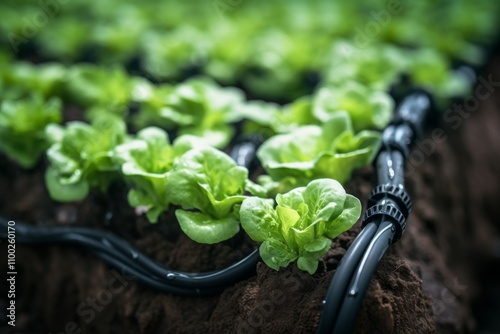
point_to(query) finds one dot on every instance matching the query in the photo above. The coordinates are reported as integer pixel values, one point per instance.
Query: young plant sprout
(301, 226)
(82, 157)
(332, 150)
(209, 187)
(22, 127)
(196, 107)
(145, 163)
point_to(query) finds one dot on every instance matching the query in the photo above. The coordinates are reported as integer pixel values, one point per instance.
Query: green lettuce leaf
(109, 89)
(26, 79)
(431, 70)
(268, 119)
(311, 152)
(22, 127)
(145, 163)
(198, 107)
(368, 108)
(302, 225)
(83, 158)
(294, 115)
(205, 229)
(208, 181)
(368, 66)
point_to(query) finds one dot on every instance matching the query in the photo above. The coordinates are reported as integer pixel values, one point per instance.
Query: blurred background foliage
(276, 50)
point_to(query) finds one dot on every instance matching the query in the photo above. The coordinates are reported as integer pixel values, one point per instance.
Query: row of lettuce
(234, 42)
(210, 194)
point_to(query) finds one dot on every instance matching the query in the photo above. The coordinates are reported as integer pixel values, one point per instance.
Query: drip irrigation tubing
(384, 221)
(123, 256)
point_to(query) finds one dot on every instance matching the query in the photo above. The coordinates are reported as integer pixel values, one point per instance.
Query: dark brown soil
(428, 282)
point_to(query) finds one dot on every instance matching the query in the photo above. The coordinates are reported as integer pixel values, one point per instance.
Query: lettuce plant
(430, 69)
(294, 115)
(198, 107)
(260, 117)
(368, 65)
(368, 108)
(82, 157)
(332, 150)
(166, 55)
(24, 79)
(146, 162)
(118, 41)
(22, 127)
(269, 118)
(93, 86)
(208, 186)
(65, 39)
(302, 225)
(154, 106)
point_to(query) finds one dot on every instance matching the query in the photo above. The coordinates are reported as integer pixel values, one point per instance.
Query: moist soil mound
(429, 281)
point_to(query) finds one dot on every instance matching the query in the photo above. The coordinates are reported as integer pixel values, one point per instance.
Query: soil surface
(433, 280)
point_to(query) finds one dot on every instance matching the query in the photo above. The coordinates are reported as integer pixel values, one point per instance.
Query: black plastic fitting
(387, 212)
(392, 192)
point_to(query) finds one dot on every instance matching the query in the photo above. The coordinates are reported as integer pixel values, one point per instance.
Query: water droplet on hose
(106, 243)
(107, 218)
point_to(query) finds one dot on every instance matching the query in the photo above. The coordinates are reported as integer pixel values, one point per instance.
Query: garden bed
(133, 144)
(427, 282)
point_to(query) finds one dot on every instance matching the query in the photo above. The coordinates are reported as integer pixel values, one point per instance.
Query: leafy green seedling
(332, 150)
(378, 66)
(209, 187)
(268, 119)
(294, 115)
(368, 108)
(197, 107)
(82, 157)
(431, 70)
(23, 79)
(302, 225)
(99, 87)
(146, 163)
(154, 106)
(22, 127)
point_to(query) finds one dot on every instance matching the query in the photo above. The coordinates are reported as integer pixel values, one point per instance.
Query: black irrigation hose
(359, 283)
(384, 221)
(103, 249)
(341, 279)
(129, 257)
(154, 282)
(122, 255)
